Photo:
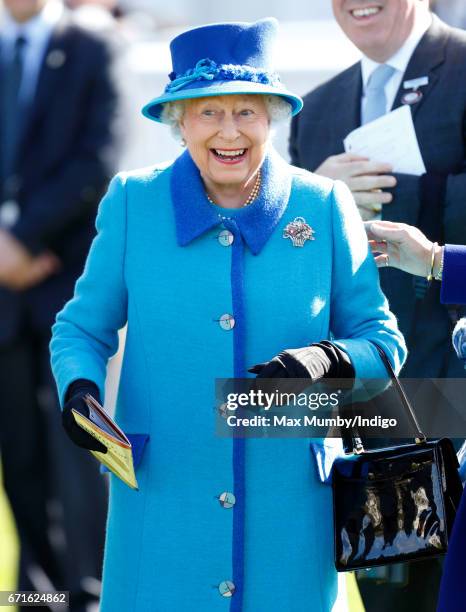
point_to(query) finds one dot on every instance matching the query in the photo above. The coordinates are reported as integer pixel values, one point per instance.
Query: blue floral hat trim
(208, 70)
(200, 86)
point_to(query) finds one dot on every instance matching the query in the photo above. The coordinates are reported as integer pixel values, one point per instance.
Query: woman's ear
(182, 132)
(182, 129)
(183, 105)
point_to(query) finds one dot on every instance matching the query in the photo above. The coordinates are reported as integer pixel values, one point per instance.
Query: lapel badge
(414, 96)
(298, 231)
(56, 58)
(411, 97)
(416, 83)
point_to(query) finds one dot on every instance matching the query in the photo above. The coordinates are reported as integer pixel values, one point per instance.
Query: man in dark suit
(403, 35)
(58, 149)
(409, 57)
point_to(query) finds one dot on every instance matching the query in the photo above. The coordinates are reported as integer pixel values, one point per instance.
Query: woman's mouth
(229, 156)
(366, 12)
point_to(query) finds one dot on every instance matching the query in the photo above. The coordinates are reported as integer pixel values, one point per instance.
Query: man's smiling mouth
(364, 13)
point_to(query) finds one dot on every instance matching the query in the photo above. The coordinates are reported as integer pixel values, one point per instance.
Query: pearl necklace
(252, 196)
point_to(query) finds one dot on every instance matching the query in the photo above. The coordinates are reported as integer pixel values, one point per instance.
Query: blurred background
(311, 49)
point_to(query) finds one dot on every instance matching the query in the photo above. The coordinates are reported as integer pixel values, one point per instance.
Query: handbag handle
(419, 437)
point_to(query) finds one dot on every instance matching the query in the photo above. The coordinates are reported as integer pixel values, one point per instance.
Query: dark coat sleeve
(454, 275)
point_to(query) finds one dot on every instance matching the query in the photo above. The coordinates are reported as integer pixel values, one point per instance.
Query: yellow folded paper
(119, 455)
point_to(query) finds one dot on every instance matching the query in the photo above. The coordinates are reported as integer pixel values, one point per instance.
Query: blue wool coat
(160, 263)
(453, 289)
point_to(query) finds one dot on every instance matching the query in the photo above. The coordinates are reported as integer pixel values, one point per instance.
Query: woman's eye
(246, 112)
(208, 112)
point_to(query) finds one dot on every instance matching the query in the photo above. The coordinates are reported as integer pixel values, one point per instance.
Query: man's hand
(18, 270)
(365, 178)
(42, 266)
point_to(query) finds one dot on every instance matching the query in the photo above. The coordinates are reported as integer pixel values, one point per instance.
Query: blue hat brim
(201, 89)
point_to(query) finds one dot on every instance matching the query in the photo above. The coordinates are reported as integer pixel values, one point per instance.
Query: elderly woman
(226, 258)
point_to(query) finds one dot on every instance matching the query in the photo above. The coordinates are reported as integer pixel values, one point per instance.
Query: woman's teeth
(237, 153)
(366, 12)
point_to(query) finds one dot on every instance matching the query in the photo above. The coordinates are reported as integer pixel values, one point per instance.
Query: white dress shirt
(399, 61)
(37, 32)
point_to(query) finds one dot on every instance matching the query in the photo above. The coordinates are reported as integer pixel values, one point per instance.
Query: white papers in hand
(390, 139)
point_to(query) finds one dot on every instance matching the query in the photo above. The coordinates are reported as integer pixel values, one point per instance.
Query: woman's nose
(229, 128)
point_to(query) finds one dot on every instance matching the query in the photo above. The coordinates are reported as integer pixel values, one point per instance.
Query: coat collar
(195, 215)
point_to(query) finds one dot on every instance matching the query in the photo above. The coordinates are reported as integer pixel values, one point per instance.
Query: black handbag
(394, 504)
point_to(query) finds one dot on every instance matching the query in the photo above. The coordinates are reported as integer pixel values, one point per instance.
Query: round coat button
(225, 238)
(227, 322)
(55, 59)
(227, 499)
(226, 588)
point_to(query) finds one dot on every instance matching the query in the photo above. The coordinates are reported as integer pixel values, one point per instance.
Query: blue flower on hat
(207, 69)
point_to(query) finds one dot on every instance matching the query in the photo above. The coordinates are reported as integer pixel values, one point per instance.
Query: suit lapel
(427, 57)
(50, 73)
(1, 64)
(346, 115)
(2, 77)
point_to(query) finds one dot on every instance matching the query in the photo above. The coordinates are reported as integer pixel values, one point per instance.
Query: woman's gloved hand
(75, 399)
(319, 360)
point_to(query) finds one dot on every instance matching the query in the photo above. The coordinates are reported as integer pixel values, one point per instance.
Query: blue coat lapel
(195, 215)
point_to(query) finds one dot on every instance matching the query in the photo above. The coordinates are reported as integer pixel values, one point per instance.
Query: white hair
(278, 110)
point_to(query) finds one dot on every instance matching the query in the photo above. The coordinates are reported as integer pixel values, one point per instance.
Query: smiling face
(227, 138)
(377, 27)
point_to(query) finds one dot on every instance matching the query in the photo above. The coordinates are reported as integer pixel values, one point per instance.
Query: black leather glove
(74, 398)
(319, 360)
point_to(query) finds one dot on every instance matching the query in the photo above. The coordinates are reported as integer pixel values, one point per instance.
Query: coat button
(55, 59)
(227, 322)
(227, 499)
(225, 238)
(226, 588)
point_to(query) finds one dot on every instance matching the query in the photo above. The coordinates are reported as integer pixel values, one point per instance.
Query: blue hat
(221, 59)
